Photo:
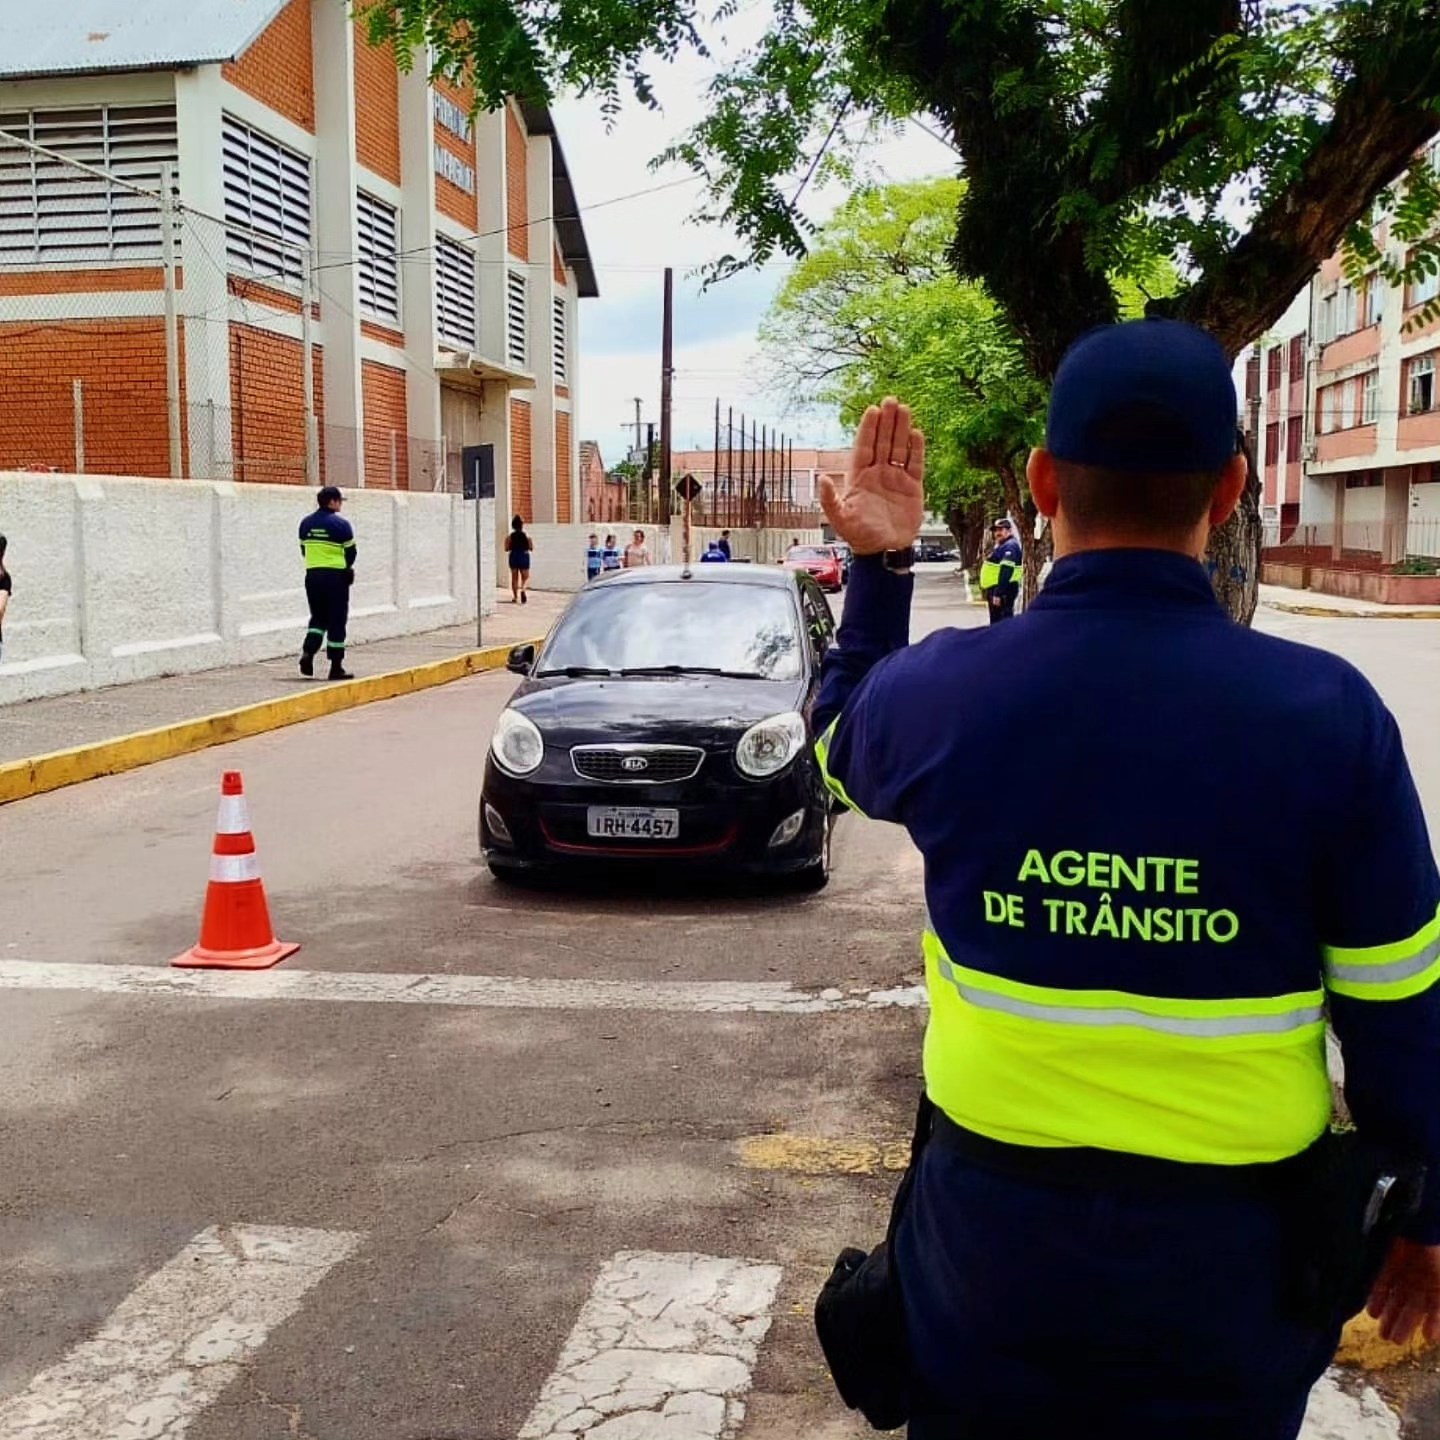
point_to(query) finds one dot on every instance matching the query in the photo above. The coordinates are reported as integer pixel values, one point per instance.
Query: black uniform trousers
(1001, 602)
(328, 592)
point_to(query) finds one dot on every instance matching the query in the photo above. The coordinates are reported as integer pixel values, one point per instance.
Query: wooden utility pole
(667, 373)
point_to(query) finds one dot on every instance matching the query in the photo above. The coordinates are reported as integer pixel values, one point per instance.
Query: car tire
(816, 876)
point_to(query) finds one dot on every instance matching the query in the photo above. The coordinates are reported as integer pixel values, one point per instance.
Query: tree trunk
(1233, 557)
(967, 524)
(1033, 552)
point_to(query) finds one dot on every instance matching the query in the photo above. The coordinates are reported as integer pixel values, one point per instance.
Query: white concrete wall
(121, 579)
(558, 562)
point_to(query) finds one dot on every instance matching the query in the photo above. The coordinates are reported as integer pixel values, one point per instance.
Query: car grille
(636, 764)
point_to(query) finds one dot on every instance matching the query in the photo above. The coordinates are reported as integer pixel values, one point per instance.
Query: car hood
(639, 709)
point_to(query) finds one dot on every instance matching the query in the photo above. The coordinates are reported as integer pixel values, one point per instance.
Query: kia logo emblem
(634, 762)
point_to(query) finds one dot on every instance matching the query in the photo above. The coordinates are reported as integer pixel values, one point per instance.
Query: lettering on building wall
(454, 169)
(452, 117)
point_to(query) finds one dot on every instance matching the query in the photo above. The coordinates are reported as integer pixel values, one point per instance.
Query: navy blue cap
(1147, 395)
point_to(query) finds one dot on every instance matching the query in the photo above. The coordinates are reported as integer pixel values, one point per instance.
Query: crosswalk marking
(663, 1350)
(481, 991)
(177, 1340)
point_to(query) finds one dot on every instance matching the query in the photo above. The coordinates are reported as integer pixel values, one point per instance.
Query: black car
(666, 720)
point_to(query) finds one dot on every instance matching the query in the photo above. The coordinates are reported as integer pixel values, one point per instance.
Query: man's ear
(1228, 491)
(1040, 471)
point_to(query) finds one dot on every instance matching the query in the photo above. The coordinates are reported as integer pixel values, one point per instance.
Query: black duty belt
(1090, 1169)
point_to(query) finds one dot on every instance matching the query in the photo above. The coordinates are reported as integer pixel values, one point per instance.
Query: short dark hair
(329, 494)
(1136, 502)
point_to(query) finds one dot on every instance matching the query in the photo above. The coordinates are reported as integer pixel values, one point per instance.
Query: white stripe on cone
(229, 868)
(234, 816)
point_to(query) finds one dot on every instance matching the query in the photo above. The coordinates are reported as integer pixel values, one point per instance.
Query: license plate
(632, 823)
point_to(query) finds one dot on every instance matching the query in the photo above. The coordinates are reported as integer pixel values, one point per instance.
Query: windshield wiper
(693, 670)
(575, 672)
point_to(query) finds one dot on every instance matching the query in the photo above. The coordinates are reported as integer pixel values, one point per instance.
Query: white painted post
(172, 324)
(78, 391)
(307, 338)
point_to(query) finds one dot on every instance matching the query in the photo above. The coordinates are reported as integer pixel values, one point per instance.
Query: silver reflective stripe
(234, 816)
(229, 868)
(1218, 1025)
(1385, 974)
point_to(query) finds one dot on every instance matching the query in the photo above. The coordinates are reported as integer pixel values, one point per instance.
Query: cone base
(262, 958)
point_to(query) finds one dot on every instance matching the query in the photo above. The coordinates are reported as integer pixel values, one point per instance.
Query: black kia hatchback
(666, 721)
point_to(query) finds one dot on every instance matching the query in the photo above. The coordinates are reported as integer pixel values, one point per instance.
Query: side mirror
(522, 657)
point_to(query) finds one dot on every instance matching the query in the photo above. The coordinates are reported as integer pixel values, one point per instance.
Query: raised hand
(881, 505)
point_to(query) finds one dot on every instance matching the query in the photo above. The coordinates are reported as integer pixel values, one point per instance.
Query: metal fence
(1411, 545)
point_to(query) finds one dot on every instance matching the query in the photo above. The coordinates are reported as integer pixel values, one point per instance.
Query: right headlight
(516, 744)
(767, 748)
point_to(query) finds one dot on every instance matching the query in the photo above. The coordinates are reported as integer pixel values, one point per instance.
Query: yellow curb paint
(20, 779)
(1361, 1346)
(810, 1155)
(1322, 612)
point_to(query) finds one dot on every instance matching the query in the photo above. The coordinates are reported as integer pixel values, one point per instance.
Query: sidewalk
(39, 727)
(1315, 602)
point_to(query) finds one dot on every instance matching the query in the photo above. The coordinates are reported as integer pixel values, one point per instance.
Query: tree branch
(1371, 141)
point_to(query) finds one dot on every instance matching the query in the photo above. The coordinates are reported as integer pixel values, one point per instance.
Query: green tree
(1096, 136)
(874, 308)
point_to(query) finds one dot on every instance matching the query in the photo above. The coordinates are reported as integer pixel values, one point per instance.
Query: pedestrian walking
(724, 543)
(328, 544)
(610, 556)
(1000, 573)
(518, 548)
(6, 590)
(1128, 1215)
(594, 557)
(637, 553)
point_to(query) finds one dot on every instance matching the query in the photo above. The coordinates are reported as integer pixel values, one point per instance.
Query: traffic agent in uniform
(1129, 1216)
(1000, 573)
(328, 544)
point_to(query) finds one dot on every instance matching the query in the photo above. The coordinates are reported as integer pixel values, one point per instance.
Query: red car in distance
(823, 562)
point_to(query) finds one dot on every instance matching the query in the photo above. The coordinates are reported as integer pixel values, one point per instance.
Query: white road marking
(1334, 1414)
(663, 1350)
(505, 992)
(178, 1339)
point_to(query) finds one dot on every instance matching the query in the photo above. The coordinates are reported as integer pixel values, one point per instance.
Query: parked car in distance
(664, 722)
(932, 554)
(821, 562)
(846, 554)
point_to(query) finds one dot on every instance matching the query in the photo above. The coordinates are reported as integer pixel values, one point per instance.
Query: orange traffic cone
(235, 932)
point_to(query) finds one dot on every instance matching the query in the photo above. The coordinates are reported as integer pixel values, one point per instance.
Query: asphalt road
(407, 1201)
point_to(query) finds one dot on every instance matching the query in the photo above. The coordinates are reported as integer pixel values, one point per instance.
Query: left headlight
(767, 748)
(516, 744)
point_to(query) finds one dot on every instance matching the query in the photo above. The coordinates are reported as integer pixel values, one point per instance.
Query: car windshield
(810, 552)
(678, 626)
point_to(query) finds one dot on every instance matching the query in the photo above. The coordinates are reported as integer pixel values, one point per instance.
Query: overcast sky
(633, 240)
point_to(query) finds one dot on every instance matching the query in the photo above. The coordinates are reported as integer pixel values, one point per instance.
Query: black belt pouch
(860, 1318)
(1352, 1198)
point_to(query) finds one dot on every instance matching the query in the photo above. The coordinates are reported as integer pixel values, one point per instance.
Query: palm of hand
(881, 508)
(882, 503)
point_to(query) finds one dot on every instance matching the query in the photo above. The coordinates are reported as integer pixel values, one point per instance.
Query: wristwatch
(898, 562)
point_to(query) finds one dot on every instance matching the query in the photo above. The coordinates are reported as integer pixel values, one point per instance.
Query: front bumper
(724, 824)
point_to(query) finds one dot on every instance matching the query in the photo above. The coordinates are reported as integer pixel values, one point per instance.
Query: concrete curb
(1325, 612)
(20, 779)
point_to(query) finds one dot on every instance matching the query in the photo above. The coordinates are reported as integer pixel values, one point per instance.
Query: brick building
(603, 500)
(1343, 405)
(443, 255)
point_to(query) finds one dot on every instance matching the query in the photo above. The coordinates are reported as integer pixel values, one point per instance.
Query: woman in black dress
(518, 546)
